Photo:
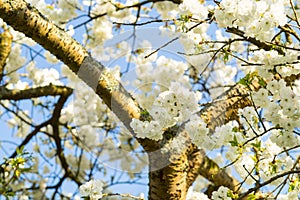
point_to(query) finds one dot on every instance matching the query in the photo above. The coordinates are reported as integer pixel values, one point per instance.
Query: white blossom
(193, 195)
(194, 8)
(92, 189)
(221, 194)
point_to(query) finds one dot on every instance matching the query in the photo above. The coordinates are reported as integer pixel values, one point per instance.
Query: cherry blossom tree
(89, 101)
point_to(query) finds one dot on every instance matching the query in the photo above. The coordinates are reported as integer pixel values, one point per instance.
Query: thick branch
(5, 47)
(200, 164)
(225, 108)
(49, 90)
(26, 19)
(222, 110)
(177, 171)
(170, 181)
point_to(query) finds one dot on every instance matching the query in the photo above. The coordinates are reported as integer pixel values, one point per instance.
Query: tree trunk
(169, 171)
(169, 182)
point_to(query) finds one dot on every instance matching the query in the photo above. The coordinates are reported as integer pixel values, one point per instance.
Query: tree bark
(5, 47)
(49, 90)
(169, 182)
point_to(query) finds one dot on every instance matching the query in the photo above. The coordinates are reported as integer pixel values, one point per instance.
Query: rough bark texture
(170, 181)
(180, 171)
(49, 90)
(225, 108)
(5, 47)
(26, 19)
(200, 164)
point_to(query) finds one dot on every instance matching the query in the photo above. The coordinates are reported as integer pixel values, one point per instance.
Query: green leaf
(246, 80)
(145, 116)
(232, 195)
(257, 145)
(28, 169)
(243, 82)
(185, 18)
(234, 142)
(251, 197)
(262, 83)
(226, 56)
(20, 150)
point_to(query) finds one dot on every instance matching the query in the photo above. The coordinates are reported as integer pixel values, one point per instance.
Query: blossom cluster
(59, 11)
(75, 112)
(257, 18)
(198, 132)
(193, 8)
(270, 161)
(281, 104)
(92, 189)
(194, 195)
(268, 61)
(151, 75)
(88, 134)
(175, 105)
(101, 29)
(221, 194)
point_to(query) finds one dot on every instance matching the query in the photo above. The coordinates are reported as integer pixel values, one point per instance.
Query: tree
(227, 118)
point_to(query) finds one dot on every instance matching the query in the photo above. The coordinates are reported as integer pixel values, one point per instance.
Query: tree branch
(259, 44)
(49, 90)
(25, 18)
(5, 47)
(200, 164)
(274, 178)
(59, 148)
